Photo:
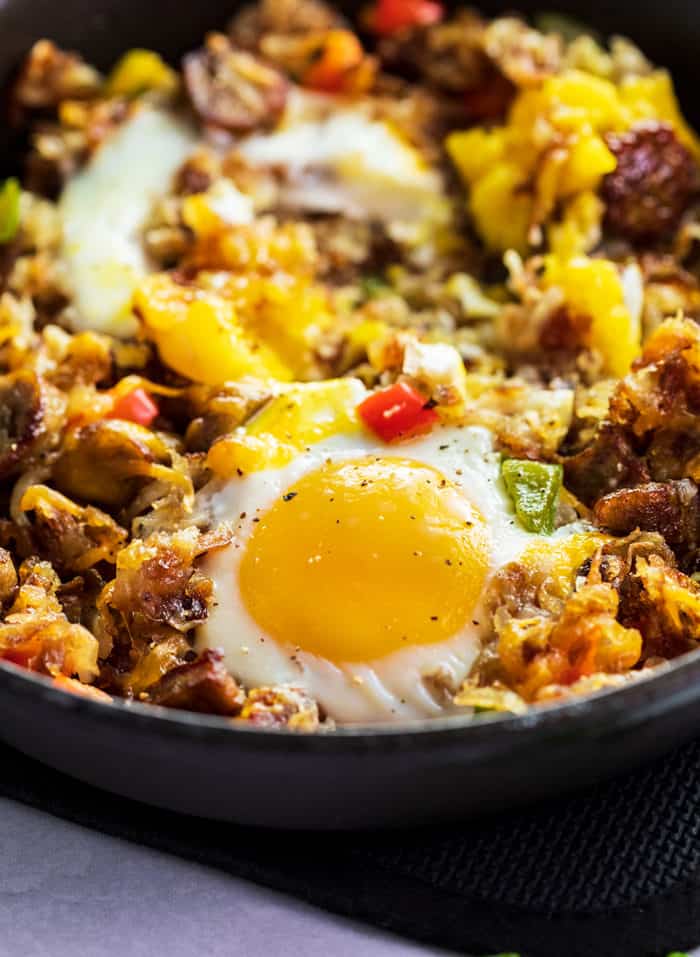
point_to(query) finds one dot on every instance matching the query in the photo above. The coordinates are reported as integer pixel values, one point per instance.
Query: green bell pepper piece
(9, 209)
(374, 286)
(534, 489)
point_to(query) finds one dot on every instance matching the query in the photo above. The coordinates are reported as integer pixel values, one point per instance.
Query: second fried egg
(358, 569)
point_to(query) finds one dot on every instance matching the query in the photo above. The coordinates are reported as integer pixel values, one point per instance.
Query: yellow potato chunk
(502, 208)
(588, 161)
(552, 148)
(138, 71)
(579, 229)
(592, 287)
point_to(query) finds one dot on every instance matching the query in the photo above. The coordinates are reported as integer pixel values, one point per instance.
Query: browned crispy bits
(109, 461)
(145, 613)
(448, 56)
(652, 185)
(484, 64)
(525, 56)
(197, 173)
(158, 586)
(61, 148)
(31, 416)
(662, 393)
(608, 463)
(71, 536)
(50, 75)
(214, 411)
(490, 100)
(565, 331)
(8, 576)
(35, 632)
(670, 508)
(232, 89)
(202, 685)
(272, 18)
(664, 604)
(280, 706)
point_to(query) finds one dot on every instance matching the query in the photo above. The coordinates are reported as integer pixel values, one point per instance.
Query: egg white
(103, 210)
(397, 687)
(339, 157)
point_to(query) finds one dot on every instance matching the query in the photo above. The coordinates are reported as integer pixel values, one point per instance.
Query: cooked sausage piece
(232, 89)
(202, 685)
(651, 187)
(670, 508)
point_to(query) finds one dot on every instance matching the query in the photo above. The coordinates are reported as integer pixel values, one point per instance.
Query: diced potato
(653, 98)
(576, 99)
(552, 148)
(501, 208)
(138, 71)
(580, 227)
(475, 151)
(593, 287)
(588, 161)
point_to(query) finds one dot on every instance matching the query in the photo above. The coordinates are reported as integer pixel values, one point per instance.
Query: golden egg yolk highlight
(362, 558)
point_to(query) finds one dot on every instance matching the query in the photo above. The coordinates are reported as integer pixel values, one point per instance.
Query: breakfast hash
(350, 370)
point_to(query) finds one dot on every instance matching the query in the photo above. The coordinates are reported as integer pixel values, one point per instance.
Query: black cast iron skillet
(351, 778)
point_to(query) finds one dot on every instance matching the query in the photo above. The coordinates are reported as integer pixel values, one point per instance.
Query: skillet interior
(353, 778)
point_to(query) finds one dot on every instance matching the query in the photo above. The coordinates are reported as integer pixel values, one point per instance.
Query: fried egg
(357, 570)
(103, 209)
(341, 158)
(337, 157)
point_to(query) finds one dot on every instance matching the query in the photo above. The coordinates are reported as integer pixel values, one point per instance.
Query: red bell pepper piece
(136, 406)
(390, 16)
(398, 412)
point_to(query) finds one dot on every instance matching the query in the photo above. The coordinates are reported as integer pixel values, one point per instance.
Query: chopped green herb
(9, 209)
(534, 489)
(373, 286)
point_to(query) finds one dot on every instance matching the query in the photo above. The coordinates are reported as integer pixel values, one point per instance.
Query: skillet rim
(611, 709)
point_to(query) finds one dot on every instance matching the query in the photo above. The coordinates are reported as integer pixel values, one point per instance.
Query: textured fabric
(614, 847)
(607, 874)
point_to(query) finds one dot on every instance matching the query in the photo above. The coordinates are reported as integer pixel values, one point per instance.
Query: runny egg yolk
(362, 558)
